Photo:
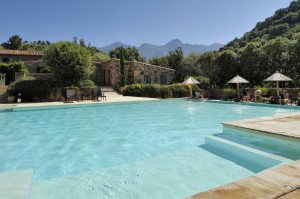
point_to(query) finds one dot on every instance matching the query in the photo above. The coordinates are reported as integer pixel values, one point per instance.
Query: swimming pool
(122, 150)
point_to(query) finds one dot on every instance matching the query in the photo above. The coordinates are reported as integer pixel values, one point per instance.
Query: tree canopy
(129, 53)
(70, 63)
(14, 43)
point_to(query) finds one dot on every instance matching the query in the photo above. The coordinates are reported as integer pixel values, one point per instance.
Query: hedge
(159, 91)
(32, 89)
(40, 89)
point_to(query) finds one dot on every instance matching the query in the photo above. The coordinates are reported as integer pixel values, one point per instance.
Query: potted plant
(11, 99)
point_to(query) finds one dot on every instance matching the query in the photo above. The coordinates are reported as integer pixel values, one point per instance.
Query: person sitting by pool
(246, 95)
(284, 97)
(257, 96)
(198, 96)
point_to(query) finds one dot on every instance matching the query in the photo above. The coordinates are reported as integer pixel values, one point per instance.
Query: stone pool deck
(280, 182)
(112, 98)
(285, 125)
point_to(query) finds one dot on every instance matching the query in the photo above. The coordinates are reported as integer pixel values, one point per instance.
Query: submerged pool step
(15, 184)
(246, 154)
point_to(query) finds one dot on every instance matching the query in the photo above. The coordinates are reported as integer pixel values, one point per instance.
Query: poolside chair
(71, 94)
(98, 94)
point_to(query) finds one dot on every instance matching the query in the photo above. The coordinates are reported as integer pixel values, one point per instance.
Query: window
(147, 79)
(163, 79)
(5, 59)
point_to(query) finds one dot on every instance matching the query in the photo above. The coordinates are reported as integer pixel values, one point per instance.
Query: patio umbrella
(237, 80)
(277, 77)
(191, 80)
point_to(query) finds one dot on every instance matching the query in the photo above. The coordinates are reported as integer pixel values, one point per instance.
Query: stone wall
(107, 73)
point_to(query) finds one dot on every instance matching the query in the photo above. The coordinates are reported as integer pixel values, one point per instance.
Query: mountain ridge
(148, 50)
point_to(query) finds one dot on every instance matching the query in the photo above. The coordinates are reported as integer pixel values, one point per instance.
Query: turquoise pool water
(122, 150)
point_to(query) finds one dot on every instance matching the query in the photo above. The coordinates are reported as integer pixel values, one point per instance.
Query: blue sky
(102, 22)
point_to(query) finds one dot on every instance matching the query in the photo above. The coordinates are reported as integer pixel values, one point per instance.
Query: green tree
(130, 54)
(160, 61)
(14, 43)
(191, 65)
(122, 68)
(250, 58)
(275, 55)
(70, 63)
(228, 62)
(176, 62)
(100, 57)
(82, 43)
(209, 68)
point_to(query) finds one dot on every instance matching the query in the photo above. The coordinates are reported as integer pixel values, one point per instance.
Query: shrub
(264, 91)
(133, 90)
(151, 90)
(204, 81)
(229, 93)
(164, 91)
(32, 89)
(11, 68)
(87, 84)
(156, 90)
(180, 90)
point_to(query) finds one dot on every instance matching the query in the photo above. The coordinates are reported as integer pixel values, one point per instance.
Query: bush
(264, 91)
(87, 84)
(204, 81)
(133, 90)
(229, 93)
(151, 90)
(180, 90)
(32, 89)
(157, 91)
(11, 68)
(164, 91)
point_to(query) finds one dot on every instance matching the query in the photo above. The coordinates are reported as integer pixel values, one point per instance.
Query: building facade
(107, 73)
(32, 59)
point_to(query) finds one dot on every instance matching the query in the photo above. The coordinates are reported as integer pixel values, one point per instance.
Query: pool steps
(16, 184)
(244, 153)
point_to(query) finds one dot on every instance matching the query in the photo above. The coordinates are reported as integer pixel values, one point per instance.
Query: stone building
(32, 59)
(107, 73)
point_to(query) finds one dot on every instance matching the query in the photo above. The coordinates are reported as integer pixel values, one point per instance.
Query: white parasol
(238, 80)
(278, 77)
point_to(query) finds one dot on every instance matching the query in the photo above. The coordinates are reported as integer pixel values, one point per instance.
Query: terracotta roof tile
(21, 52)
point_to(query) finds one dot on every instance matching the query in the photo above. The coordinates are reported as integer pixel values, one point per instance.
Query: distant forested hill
(284, 23)
(272, 45)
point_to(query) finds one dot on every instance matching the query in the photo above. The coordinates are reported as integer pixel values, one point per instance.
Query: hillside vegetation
(272, 45)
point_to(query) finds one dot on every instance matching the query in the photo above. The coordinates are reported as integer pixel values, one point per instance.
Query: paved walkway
(281, 182)
(285, 125)
(114, 98)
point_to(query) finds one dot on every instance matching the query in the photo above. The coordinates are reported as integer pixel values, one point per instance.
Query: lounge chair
(71, 94)
(98, 94)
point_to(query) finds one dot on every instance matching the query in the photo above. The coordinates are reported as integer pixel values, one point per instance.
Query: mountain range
(150, 50)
